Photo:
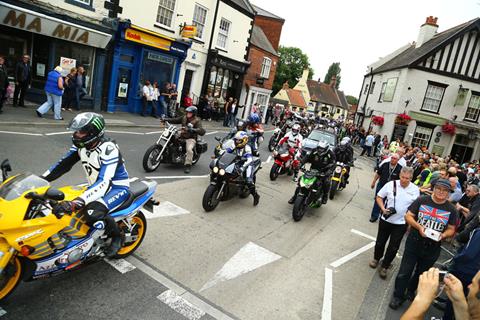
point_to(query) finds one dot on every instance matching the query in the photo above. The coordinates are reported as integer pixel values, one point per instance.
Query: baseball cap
(443, 183)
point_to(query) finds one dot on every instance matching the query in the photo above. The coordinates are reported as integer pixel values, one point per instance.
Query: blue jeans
(52, 101)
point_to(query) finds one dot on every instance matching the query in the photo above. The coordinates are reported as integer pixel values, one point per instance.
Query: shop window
(266, 65)
(226, 78)
(421, 137)
(223, 33)
(433, 97)
(85, 4)
(83, 56)
(473, 109)
(372, 87)
(157, 67)
(166, 9)
(211, 81)
(40, 66)
(199, 19)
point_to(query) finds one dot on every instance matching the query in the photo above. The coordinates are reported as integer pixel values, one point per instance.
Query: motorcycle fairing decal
(134, 206)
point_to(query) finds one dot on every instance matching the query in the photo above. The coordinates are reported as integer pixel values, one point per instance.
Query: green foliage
(290, 67)
(334, 69)
(352, 100)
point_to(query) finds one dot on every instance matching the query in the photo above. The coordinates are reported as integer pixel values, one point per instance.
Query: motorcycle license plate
(308, 166)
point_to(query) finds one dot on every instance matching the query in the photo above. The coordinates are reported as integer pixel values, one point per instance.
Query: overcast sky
(356, 33)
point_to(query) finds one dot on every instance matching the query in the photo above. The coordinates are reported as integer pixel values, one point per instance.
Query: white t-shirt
(403, 199)
(369, 140)
(148, 92)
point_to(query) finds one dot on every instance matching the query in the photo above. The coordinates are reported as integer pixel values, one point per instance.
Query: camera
(389, 212)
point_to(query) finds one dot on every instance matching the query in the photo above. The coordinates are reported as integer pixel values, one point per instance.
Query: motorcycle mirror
(54, 194)
(5, 167)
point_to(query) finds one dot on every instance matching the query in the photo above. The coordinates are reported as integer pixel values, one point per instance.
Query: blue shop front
(141, 55)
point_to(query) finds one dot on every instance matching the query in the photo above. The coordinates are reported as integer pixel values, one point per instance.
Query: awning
(422, 117)
(31, 21)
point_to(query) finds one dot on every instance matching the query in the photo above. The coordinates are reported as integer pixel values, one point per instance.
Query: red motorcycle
(284, 161)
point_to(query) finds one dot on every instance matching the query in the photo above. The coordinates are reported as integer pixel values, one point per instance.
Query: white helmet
(295, 129)
(345, 141)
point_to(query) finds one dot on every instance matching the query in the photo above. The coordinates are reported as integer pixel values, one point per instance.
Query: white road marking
(2, 312)
(211, 310)
(360, 233)
(269, 159)
(177, 177)
(181, 305)
(166, 209)
(126, 132)
(154, 132)
(327, 295)
(123, 266)
(23, 133)
(247, 259)
(58, 133)
(351, 255)
(209, 133)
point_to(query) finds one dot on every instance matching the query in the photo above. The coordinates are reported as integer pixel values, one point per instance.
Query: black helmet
(192, 109)
(88, 128)
(322, 147)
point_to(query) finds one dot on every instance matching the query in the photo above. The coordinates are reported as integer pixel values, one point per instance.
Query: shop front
(53, 40)
(141, 55)
(223, 76)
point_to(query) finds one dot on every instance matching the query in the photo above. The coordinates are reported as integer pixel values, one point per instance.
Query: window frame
(475, 95)
(372, 87)
(438, 85)
(222, 32)
(264, 72)
(382, 91)
(365, 90)
(82, 4)
(197, 5)
(164, 26)
(429, 137)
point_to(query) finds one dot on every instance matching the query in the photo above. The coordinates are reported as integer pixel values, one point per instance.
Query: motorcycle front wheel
(149, 159)
(10, 277)
(274, 172)
(210, 198)
(271, 143)
(299, 208)
(333, 189)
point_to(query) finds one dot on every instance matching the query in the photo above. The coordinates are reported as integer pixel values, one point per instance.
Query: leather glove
(68, 206)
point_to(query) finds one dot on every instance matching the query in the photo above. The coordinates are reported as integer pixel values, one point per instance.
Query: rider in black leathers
(323, 160)
(344, 153)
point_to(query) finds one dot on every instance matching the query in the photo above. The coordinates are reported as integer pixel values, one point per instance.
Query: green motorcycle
(309, 194)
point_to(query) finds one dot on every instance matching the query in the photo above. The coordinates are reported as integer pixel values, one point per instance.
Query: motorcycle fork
(5, 257)
(219, 195)
(167, 141)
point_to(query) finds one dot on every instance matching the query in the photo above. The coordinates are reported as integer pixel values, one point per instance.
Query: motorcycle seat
(137, 189)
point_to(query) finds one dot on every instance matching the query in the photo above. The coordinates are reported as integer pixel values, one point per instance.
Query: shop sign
(229, 65)
(189, 32)
(147, 39)
(177, 49)
(438, 150)
(417, 116)
(160, 58)
(67, 64)
(31, 21)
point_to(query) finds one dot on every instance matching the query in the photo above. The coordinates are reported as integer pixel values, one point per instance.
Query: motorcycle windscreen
(15, 187)
(226, 160)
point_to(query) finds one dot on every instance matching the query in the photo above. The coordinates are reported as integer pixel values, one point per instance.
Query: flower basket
(449, 128)
(378, 120)
(403, 119)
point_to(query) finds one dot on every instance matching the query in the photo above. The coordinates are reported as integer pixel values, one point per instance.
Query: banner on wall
(67, 64)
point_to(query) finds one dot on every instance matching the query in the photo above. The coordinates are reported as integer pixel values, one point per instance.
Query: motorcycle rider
(255, 132)
(241, 126)
(108, 183)
(191, 129)
(294, 140)
(344, 153)
(323, 160)
(244, 153)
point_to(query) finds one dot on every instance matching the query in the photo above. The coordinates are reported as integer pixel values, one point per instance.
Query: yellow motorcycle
(36, 243)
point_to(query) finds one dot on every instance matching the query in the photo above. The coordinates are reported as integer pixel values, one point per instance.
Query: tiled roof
(412, 54)
(264, 13)
(245, 4)
(259, 39)
(296, 98)
(324, 93)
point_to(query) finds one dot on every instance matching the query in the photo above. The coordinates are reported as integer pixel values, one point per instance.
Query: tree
(291, 63)
(351, 100)
(334, 69)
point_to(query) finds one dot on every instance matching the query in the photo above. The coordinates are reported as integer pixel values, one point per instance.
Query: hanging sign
(189, 31)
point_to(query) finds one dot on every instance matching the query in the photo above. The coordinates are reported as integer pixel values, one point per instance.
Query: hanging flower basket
(378, 120)
(449, 128)
(403, 119)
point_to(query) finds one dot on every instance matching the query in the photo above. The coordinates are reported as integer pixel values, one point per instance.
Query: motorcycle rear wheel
(274, 172)
(9, 282)
(210, 201)
(141, 229)
(196, 157)
(333, 189)
(271, 143)
(299, 208)
(149, 163)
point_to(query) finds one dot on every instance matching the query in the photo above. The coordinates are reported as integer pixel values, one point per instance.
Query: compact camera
(389, 212)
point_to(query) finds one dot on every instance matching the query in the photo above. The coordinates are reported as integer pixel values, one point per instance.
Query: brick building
(263, 57)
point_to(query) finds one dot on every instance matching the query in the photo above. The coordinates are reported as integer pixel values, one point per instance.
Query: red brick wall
(272, 29)
(255, 56)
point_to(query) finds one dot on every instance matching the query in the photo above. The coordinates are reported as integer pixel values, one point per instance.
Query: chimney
(305, 75)
(333, 81)
(285, 86)
(427, 31)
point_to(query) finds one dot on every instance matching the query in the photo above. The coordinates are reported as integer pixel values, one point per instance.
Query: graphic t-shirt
(433, 215)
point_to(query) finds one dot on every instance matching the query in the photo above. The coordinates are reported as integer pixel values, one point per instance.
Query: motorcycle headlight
(338, 169)
(221, 172)
(215, 169)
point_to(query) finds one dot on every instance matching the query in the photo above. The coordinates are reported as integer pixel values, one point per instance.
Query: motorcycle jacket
(187, 133)
(322, 163)
(344, 153)
(103, 166)
(293, 141)
(244, 154)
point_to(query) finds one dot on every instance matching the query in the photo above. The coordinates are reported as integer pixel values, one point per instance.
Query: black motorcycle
(169, 148)
(226, 180)
(310, 193)
(278, 134)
